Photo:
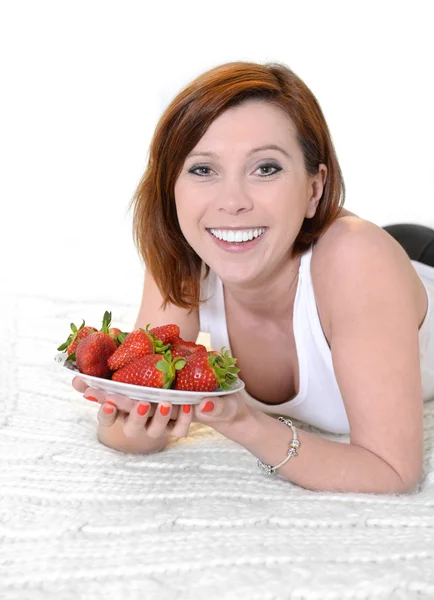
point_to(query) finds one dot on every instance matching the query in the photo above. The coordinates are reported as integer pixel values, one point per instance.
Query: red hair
(174, 265)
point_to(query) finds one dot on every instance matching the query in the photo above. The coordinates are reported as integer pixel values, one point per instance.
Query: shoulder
(353, 257)
(350, 237)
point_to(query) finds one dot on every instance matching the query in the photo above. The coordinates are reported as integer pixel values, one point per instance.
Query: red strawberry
(206, 371)
(153, 370)
(114, 332)
(93, 353)
(180, 347)
(117, 335)
(75, 337)
(165, 333)
(135, 345)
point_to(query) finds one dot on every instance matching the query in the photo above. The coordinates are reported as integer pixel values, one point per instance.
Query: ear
(316, 189)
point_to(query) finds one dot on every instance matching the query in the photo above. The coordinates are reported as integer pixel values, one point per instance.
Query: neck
(269, 299)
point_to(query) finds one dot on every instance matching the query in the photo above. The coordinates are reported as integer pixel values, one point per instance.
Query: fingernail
(209, 406)
(91, 398)
(110, 402)
(186, 408)
(142, 409)
(108, 409)
(164, 410)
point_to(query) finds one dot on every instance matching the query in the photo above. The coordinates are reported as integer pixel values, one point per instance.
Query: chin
(231, 272)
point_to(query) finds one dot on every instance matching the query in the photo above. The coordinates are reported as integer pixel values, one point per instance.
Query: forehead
(255, 121)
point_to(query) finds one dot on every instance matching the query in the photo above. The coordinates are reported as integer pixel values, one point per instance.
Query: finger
(137, 419)
(121, 402)
(182, 424)
(94, 395)
(79, 384)
(208, 408)
(211, 409)
(107, 415)
(175, 411)
(161, 418)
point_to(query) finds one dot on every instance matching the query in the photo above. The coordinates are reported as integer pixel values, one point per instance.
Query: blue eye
(264, 166)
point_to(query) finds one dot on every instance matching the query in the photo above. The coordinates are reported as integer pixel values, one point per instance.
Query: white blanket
(198, 520)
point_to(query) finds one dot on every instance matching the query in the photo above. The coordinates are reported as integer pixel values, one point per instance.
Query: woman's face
(240, 207)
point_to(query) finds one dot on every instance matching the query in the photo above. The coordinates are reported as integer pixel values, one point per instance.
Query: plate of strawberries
(148, 364)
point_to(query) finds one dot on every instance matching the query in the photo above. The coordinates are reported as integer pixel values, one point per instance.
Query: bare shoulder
(354, 232)
(354, 249)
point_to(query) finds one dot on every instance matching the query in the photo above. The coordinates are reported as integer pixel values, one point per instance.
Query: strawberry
(165, 333)
(135, 345)
(114, 332)
(93, 353)
(152, 370)
(180, 347)
(206, 371)
(74, 338)
(117, 335)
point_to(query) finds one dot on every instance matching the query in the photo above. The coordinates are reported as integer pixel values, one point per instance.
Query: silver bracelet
(295, 444)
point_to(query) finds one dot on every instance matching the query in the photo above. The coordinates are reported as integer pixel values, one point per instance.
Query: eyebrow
(266, 147)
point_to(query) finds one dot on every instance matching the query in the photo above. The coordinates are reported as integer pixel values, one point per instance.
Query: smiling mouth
(237, 235)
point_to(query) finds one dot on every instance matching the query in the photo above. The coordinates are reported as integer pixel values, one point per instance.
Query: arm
(375, 353)
(321, 464)
(150, 312)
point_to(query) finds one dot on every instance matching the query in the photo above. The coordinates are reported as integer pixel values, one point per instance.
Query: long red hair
(173, 263)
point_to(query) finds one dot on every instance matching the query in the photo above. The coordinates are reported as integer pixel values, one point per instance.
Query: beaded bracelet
(295, 444)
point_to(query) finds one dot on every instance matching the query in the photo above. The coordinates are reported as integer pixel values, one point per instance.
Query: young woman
(239, 220)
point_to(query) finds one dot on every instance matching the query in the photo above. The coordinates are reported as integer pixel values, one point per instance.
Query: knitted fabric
(198, 520)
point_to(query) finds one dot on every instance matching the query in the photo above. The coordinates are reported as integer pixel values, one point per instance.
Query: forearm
(320, 464)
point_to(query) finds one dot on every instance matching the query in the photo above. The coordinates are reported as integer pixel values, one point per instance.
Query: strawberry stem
(168, 366)
(71, 337)
(224, 367)
(106, 321)
(159, 347)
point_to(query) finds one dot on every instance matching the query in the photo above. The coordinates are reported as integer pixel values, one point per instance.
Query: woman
(239, 219)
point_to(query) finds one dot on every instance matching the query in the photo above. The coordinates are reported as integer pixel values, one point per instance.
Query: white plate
(141, 392)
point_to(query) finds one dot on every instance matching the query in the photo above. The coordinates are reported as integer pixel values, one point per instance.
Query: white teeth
(241, 235)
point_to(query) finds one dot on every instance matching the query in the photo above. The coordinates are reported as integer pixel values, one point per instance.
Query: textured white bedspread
(198, 520)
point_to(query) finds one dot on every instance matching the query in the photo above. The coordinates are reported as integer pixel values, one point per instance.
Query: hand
(158, 420)
(222, 412)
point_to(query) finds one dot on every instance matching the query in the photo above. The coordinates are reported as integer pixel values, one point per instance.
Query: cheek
(189, 208)
(189, 218)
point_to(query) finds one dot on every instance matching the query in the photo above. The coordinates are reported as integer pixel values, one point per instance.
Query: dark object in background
(417, 241)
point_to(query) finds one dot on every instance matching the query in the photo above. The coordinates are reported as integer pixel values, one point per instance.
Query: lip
(238, 228)
(237, 248)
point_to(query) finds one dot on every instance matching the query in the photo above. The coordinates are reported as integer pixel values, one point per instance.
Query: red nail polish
(110, 402)
(142, 409)
(209, 406)
(108, 409)
(164, 410)
(186, 408)
(91, 398)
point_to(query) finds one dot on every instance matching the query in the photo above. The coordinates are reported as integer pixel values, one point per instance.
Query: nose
(234, 199)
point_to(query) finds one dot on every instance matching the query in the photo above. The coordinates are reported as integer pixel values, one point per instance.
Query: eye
(270, 166)
(196, 168)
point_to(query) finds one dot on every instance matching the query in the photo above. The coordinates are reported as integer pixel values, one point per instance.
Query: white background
(84, 84)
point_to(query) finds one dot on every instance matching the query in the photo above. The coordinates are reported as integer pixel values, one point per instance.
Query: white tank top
(319, 401)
